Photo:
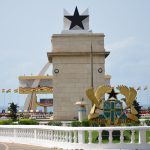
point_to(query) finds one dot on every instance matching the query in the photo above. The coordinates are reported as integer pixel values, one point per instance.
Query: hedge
(28, 122)
(5, 122)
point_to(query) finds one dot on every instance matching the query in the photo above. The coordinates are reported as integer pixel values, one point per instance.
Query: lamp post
(81, 110)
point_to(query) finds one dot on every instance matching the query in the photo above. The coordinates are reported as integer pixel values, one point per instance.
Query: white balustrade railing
(78, 137)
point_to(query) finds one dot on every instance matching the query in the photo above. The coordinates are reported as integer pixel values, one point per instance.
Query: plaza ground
(13, 146)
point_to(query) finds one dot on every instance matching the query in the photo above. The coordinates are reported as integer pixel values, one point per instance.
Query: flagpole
(3, 93)
(91, 66)
(11, 97)
(146, 95)
(17, 98)
(148, 103)
(139, 93)
(4, 98)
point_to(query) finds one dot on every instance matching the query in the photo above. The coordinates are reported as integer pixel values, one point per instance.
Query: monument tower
(78, 58)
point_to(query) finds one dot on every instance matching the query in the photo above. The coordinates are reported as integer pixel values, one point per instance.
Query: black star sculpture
(76, 19)
(112, 94)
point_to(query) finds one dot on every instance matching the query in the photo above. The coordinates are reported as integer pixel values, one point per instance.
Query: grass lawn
(148, 136)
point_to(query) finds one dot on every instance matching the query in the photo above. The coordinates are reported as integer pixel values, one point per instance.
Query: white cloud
(122, 43)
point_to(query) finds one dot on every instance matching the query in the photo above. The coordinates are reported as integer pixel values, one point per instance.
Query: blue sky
(26, 27)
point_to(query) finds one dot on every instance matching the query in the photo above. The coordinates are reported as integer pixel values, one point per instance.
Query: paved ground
(12, 146)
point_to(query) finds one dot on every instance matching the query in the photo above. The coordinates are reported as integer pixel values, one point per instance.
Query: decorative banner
(8, 91)
(33, 89)
(16, 91)
(37, 90)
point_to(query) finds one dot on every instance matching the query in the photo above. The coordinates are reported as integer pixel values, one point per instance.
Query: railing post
(55, 135)
(48, 135)
(70, 137)
(90, 137)
(110, 136)
(121, 136)
(75, 137)
(59, 137)
(45, 135)
(35, 134)
(100, 137)
(51, 135)
(142, 136)
(66, 137)
(132, 136)
(15, 132)
(81, 136)
(63, 136)
(56, 139)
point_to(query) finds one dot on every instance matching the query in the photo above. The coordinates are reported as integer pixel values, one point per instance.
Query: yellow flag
(145, 88)
(3, 90)
(8, 91)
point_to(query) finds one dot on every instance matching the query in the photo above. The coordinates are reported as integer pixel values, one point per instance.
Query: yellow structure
(33, 85)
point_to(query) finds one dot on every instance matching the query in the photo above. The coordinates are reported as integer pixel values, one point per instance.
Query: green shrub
(132, 123)
(75, 123)
(56, 123)
(28, 122)
(94, 123)
(147, 122)
(5, 122)
(85, 123)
